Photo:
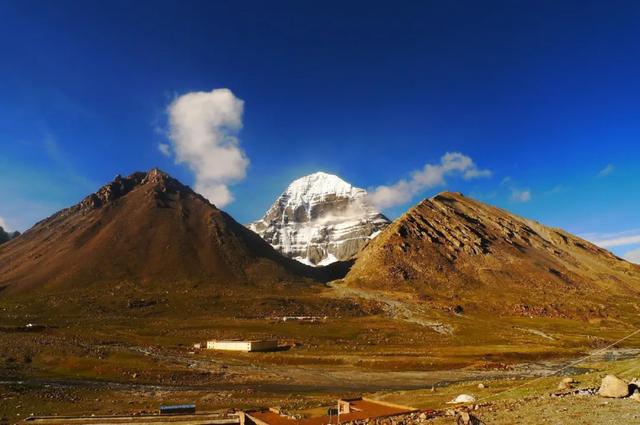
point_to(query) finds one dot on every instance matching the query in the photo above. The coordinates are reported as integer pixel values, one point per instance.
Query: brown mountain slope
(147, 227)
(451, 250)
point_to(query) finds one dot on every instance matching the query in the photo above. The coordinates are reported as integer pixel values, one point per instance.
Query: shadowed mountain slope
(146, 227)
(454, 250)
(7, 236)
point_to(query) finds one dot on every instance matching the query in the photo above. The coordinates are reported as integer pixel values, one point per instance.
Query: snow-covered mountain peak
(319, 184)
(319, 219)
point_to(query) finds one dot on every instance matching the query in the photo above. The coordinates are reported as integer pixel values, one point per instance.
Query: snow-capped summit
(317, 185)
(320, 219)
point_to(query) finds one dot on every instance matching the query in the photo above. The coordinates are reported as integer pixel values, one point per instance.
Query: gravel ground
(591, 410)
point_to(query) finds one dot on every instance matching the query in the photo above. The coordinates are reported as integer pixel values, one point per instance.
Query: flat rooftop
(242, 340)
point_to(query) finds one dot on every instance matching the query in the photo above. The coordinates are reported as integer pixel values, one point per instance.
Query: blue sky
(542, 94)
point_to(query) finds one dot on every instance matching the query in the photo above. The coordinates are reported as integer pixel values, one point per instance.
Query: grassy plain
(97, 354)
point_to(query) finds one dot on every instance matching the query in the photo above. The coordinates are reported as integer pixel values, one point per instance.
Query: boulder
(463, 398)
(465, 418)
(566, 384)
(613, 387)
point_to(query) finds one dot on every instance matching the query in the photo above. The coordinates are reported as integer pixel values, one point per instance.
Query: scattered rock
(565, 384)
(481, 386)
(464, 418)
(586, 392)
(613, 387)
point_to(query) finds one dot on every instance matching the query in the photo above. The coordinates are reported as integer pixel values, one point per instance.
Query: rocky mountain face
(7, 236)
(146, 227)
(452, 250)
(320, 219)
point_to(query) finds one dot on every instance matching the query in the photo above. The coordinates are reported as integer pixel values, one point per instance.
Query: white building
(242, 345)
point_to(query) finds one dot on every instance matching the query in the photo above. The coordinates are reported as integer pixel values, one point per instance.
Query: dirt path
(394, 307)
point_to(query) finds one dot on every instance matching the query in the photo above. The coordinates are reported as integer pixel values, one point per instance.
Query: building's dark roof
(178, 407)
(360, 409)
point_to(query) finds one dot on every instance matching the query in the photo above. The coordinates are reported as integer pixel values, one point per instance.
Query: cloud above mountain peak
(203, 128)
(430, 176)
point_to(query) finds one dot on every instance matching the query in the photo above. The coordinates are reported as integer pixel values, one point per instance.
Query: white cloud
(633, 256)
(506, 181)
(607, 240)
(618, 241)
(475, 173)
(432, 175)
(202, 129)
(556, 189)
(610, 168)
(520, 195)
(3, 224)
(517, 193)
(165, 149)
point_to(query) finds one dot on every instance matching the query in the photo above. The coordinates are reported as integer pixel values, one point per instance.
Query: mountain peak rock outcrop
(120, 186)
(320, 219)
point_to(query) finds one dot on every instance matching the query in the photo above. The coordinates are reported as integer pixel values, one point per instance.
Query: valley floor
(521, 394)
(134, 356)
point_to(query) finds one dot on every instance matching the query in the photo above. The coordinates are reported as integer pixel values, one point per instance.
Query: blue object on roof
(178, 408)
